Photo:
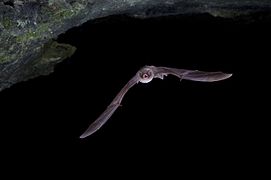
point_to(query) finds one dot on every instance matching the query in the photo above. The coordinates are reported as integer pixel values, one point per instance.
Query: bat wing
(101, 120)
(193, 75)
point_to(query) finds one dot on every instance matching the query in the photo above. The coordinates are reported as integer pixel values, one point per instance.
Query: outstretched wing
(99, 122)
(193, 75)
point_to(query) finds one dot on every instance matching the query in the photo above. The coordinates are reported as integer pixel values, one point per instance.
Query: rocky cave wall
(28, 27)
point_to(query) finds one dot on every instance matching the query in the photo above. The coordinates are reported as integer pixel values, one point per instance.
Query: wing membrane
(193, 75)
(102, 119)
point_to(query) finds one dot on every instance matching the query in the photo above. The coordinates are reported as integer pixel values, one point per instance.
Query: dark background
(187, 127)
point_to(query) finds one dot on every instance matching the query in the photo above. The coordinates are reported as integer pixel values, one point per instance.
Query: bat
(146, 75)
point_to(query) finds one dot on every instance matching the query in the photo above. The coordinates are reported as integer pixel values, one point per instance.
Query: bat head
(145, 74)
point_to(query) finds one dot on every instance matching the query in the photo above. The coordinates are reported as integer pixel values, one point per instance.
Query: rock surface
(27, 27)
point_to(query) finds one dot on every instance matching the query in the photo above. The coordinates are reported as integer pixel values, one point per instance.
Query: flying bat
(145, 75)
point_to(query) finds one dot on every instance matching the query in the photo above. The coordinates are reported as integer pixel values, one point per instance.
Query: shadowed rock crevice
(9, 3)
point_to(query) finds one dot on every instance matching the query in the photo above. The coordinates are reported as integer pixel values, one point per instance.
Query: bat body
(145, 75)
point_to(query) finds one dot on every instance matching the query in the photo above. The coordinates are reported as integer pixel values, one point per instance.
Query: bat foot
(181, 78)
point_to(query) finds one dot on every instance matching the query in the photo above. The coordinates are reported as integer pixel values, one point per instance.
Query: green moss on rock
(41, 31)
(7, 23)
(54, 51)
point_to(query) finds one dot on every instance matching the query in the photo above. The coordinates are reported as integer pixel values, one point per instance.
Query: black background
(164, 127)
